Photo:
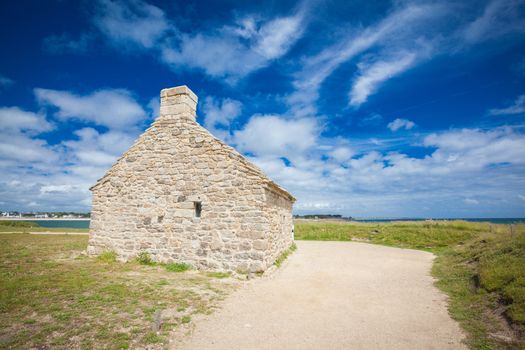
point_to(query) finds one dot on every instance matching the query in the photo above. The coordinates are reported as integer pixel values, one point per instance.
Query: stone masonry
(182, 195)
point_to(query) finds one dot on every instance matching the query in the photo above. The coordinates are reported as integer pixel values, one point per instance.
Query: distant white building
(7, 214)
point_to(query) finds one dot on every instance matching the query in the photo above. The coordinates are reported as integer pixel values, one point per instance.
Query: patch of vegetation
(185, 319)
(480, 266)
(22, 224)
(108, 257)
(144, 258)
(153, 338)
(219, 274)
(178, 267)
(52, 297)
(485, 278)
(281, 258)
(431, 236)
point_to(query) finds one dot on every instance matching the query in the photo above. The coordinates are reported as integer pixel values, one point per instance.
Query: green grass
(479, 265)
(52, 296)
(178, 267)
(430, 236)
(281, 258)
(152, 338)
(18, 224)
(219, 274)
(144, 258)
(108, 257)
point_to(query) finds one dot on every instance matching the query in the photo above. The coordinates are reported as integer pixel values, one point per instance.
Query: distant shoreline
(44, 219)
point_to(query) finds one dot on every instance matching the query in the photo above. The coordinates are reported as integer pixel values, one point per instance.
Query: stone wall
(147, 201)
(278, 212)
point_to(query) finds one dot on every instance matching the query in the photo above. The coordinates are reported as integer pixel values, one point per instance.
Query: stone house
(182, 195)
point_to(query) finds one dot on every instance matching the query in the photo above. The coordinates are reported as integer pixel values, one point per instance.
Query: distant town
(323, 216)
(43, 215)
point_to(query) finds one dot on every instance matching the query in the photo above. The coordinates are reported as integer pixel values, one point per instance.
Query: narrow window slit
(198, 209)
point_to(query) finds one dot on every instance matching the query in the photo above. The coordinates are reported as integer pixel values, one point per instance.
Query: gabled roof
(186, 100)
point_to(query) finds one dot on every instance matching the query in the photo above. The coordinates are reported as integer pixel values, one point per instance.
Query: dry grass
(51, 296)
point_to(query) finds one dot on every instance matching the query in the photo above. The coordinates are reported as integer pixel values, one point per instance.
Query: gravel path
(335, 295)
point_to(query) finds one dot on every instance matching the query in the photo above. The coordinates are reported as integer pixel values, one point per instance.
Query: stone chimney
(176, 101)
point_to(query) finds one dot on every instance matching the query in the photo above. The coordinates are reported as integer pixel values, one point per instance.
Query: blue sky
(361, 108)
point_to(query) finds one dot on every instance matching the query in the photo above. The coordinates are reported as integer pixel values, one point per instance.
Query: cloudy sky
(361, 108)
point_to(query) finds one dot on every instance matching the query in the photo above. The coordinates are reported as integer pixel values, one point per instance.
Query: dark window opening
(198, 209)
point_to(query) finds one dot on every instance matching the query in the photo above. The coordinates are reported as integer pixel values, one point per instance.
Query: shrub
(108, 257)
(144, 258)
(178, 267)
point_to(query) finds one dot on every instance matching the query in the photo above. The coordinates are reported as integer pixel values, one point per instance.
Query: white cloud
(113, 108)
(371, 120)
(232, 52)
(56, 188)
(154, 106)
(522, 197)
(411, 34)
(218, 115)
(131, 22)
(65, 43)
(342, 154)
(14, 119)
(218, 55)
(500, 17)
(5, 81)
(471, 201)
(517, 108)
(42, 176)
(400, 123)
(371, 76)
(58, 176)
(461, 164)
(98, 149)
(228, 52)
(268, 135)
(18, 129)
(275, 37)
(395, 33)
(25, 149)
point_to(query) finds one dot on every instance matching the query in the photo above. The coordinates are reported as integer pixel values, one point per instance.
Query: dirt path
(335, 295)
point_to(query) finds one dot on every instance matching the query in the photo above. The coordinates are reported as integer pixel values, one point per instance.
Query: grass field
(480, 266)
(53, 297)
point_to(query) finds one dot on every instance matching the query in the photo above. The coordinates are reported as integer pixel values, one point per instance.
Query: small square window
(198, 209)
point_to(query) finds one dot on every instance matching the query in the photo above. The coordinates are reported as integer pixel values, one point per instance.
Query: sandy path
(335, 295)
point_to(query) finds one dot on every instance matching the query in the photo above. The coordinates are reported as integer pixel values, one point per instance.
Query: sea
(61, 223)
(85, 223)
